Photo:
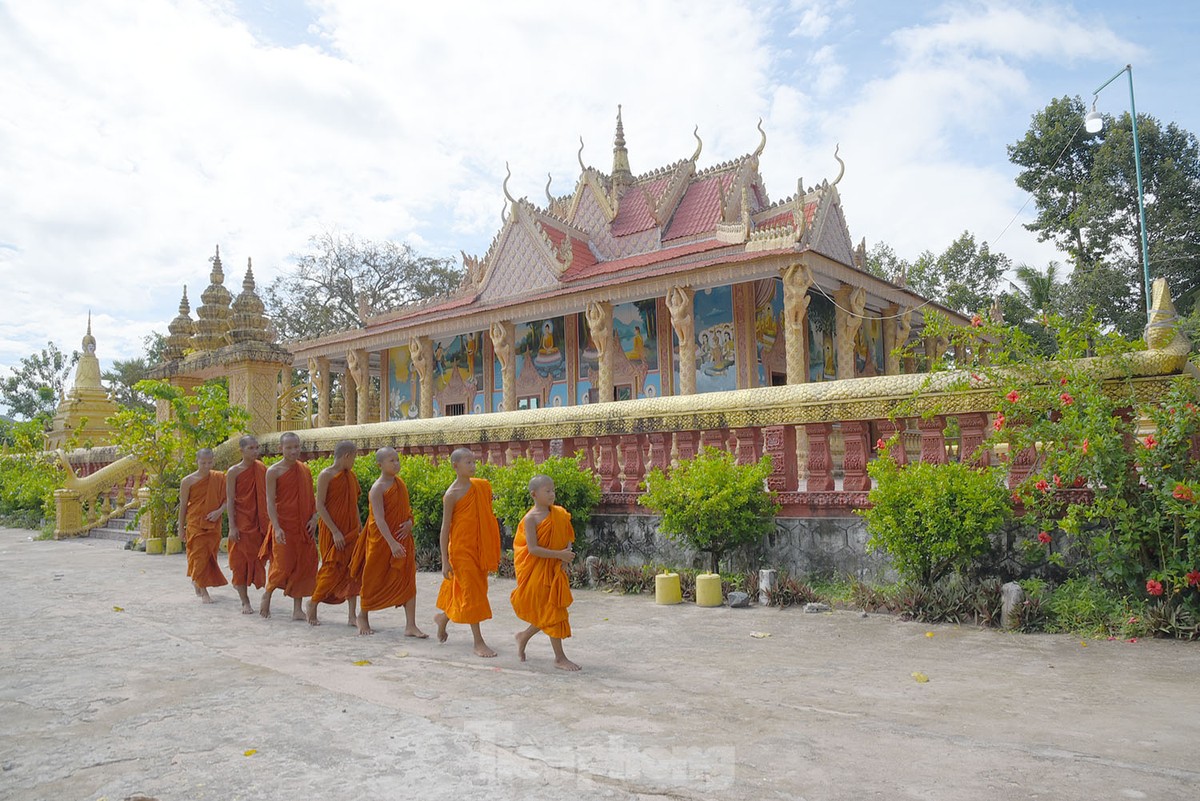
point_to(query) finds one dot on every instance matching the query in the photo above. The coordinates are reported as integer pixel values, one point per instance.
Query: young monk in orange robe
(337, 533)
(246, 507)
(541, 548)
(385, 559)
(470, 542)
(292, 508)
(201, 504)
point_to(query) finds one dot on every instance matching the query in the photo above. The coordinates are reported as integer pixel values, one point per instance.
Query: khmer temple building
(85, 408)
(685, 279)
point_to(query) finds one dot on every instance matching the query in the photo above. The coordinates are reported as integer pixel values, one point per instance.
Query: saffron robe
(250, 517)
(474, 550)
(334, 582)
(387, 580)
(294, 563)
(543, 591)
(204, 535)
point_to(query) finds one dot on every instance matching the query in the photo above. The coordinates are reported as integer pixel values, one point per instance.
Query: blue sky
(137, 134)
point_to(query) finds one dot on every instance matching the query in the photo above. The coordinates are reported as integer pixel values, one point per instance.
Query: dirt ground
(116, 682)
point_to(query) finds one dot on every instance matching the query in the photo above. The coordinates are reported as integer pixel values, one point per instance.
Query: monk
(385, 559)
(541, 548)
(292, 509)
(201, 504)
(337, 533)
(246, 508)
(470, 544)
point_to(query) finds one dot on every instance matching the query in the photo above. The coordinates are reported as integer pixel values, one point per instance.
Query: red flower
(998, 423)
(1193, 578)
(1079, 481)
(975, 377)
(1042, 486)
(1016, 497)
(1057, 480)
(1154, 587)
(1150, 441)
(1013, 396)
(1191, 407)
(880, 444)
(1044, 537)
(1062, 382)
(1183, 493)
(976, 321)
(1066, 399)
(1084, 447)
(1133, 639)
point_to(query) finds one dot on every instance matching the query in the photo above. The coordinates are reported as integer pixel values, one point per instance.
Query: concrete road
(115, 682)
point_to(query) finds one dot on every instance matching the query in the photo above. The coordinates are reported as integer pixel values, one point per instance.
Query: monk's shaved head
(289, 435)
(204, 453)
(247, 441)
(344, 448)
(539, 481)
(461, 453)
(384, 454)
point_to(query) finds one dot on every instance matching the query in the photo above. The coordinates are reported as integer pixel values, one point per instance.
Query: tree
(126, 373)
(1086, 194)
(33, 389)
(963, 278)
(344, 279)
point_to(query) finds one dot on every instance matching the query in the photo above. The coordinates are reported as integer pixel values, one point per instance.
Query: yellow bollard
(708, 589)
(174, 545)
(154, 545)
(666, 589)
(224, 546)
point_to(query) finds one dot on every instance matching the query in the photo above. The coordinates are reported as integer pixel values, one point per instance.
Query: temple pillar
(850, 302)
(252, 386)
(935, 348)
(683, 322)
(659, 455)
(599, 317)
(820, 460)
(421, 351)
(744, 337)
(779, 442)
(972, 432)
(504, 347)
(359, 362)
(350, 392)
(747, 445)
(797, 280)
(894, 428)
(323, 392)
(854, 462)
(606, 467)
(631, 462)
(685, 445)
(897, 324)
(933, 439)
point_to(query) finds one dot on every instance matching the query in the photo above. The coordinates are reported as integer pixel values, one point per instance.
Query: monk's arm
(272, 512)
(185, 489)
(379, 512)
(444, 537)
(339, 539)
(215, 514)
(230, 493)
(566, 554)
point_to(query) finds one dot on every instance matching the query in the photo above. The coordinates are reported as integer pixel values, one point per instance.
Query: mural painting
(716, 346)
(458, 374)
(868, 348)
(822, 356)
(403, 386)
(769, 330)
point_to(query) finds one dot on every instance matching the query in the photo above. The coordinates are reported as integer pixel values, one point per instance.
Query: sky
(136, 135)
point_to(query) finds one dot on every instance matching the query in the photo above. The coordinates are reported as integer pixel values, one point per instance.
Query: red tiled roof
(788, 217)
(640, 260)
(810, 213)
(581, 254)
(633, 212)
(700, 208)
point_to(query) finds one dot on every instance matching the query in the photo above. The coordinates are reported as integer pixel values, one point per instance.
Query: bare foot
(363, 627)
(196, 587)
(299, 615)
(264, 608)
(352, 621)
(482, 649)
(204, 597)
(565, 664)
(441, 620)
(312, 615)
(413, 631)
(522, 638)
(247, 609)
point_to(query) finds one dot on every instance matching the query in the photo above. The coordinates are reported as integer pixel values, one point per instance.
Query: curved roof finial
(763, 144)
(699, 143)
(504, 215)
(508, 175)
(579, 155)
(549, 197)
(841, 171)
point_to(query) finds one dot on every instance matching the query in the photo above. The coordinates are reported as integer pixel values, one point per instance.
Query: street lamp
(1093, 122)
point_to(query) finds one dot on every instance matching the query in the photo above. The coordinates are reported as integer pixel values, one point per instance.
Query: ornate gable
(521, 261)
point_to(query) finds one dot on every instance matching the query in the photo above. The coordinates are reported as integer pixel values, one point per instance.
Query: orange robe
(250, 515)
(334, 582)
(293, 564)
(387, 581)
(474, 552)
(543, 591)
(203, 535)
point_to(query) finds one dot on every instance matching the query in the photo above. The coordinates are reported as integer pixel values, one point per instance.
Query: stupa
(87, 399)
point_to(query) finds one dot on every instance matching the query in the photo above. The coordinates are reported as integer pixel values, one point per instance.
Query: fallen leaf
(362, 662)
(1083, 643)
(250, 752)
(118, 609)
(929, 634)
(400, 654)
(604, 618)
(760, 635)
(920, 677)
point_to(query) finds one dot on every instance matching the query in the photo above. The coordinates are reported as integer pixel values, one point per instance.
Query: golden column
(502, 334)
(599, 314)
(850, 302)
(683, 321)
(324, 386)
(421, 349)
(897, 324)
(797, 280)
(350, 387)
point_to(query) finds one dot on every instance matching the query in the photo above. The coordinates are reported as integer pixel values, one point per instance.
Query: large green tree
(964, 277)
(1085, 190)
(342, 279)
(32, 389)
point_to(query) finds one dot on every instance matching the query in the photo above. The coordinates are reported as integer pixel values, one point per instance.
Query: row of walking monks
(310, 543)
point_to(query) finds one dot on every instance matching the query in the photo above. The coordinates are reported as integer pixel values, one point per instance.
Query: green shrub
(934, 519)
(576, 489)
(711, 503)
(426, 483)
(1083, 605)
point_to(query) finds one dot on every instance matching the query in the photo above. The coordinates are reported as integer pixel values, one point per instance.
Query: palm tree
(1040, 291)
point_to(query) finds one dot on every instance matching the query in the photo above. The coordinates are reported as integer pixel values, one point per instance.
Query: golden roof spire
(179, 332)
(621, 174)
